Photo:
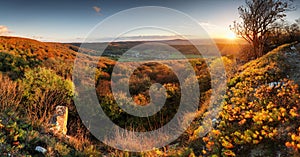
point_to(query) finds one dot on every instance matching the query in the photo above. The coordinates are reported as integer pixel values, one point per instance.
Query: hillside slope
(261, 109)
(39, 49)
(20, 54)
(39, 78)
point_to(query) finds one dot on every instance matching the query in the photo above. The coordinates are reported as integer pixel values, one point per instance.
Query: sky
(72, 20)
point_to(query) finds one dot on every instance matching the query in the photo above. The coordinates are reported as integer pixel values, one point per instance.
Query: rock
(275, 84)
(40, 149)
(59, 120)
(293, 48)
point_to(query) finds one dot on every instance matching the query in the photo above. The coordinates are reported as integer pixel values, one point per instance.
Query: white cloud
(207, 25)
(97, 9)
(4, 30)
(37, 37)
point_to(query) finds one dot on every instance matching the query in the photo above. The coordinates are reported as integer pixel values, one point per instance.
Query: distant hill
(21, 53)
(116, 49)
(41, 50)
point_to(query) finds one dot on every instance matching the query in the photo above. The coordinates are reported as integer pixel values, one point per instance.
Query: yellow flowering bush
(261, 108)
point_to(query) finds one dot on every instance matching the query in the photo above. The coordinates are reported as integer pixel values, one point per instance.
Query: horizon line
(128, 40)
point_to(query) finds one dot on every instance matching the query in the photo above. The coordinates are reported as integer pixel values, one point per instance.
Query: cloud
(149, 37)
(135, 38)
(4, 30)
(207, 25)
(97, 9)
(37, 37)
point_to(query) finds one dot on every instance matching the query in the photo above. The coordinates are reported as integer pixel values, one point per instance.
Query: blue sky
(71, 20)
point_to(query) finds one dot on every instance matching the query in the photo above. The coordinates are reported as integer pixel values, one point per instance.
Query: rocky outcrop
(59, 120)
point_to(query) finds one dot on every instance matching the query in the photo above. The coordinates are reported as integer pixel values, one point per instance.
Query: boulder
(59, 120)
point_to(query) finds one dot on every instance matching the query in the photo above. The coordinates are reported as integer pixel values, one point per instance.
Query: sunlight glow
(231, 36)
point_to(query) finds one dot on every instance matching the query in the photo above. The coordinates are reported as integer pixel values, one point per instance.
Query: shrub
(16, 66)
(43, 90)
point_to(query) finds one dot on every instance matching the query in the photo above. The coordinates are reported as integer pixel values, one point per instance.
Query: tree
(277, 33)
(257, 18)
(293, 31)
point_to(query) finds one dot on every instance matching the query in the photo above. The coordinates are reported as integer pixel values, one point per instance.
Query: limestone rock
(40, 149)
(59, 120)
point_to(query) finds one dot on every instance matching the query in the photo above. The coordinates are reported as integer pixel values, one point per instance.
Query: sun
(231, 36)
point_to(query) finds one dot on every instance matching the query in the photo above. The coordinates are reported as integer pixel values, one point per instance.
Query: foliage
(43, 90)
(283, 32)
(38, 80)
(139, 83)
(16, 66)
(13, 134)
(260, 108)
(257, 108)
(18, 137)
(21, 54)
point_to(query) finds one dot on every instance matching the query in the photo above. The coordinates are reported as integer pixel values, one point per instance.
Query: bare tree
(257, 18)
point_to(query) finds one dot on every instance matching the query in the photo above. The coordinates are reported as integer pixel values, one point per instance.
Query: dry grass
(131, 141)
(10, 94)
(42, 111)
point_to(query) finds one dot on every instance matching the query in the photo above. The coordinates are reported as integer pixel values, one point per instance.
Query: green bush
(16, 66)
(43, 90)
